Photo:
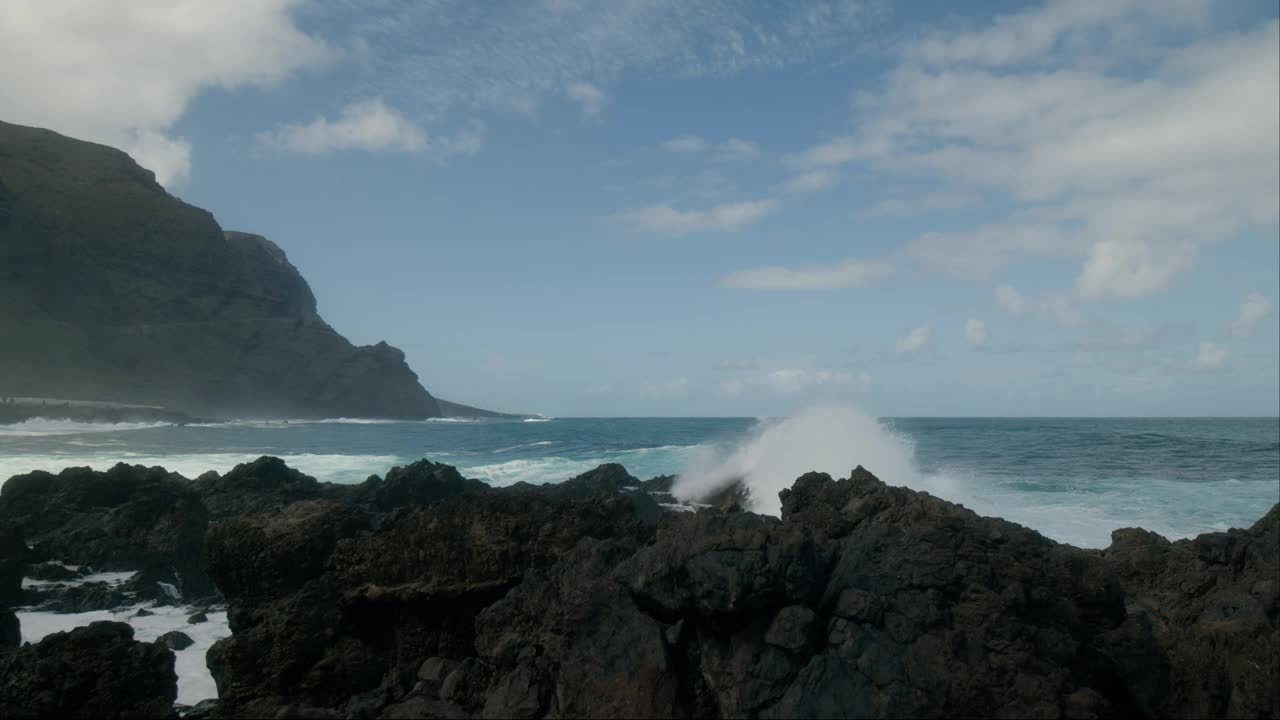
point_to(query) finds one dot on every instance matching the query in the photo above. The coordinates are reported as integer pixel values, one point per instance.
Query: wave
(531, 470)
(539, 419)
(775, 452)
(37, 427)
(1081, 512)
(542, 443)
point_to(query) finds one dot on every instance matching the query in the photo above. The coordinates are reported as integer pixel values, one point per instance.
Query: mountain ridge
(112, 289)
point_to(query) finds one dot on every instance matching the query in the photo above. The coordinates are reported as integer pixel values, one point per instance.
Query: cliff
(113, 290)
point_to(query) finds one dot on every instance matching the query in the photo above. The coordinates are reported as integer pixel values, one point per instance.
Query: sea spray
(830, 438)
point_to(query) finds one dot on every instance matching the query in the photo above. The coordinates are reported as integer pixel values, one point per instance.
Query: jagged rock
(421, 483)
(98, 671)
(84, 597)
(176, 640)
(127, 518)
(1212, 606)
(53, 571)
(263, 485)
(862, 600)
(197, 618)
(13, 560)
(378, 605)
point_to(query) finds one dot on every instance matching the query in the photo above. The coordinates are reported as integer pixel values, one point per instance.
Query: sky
(632, 207)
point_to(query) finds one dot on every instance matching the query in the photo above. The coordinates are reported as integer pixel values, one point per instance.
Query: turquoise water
(1073, 479)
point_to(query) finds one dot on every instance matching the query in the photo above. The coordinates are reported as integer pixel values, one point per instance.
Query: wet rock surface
(863, 600)
(98, 671)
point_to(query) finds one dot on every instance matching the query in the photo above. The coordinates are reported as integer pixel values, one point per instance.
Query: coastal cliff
(113, 290)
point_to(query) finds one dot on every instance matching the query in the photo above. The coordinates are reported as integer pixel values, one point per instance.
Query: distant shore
(21, 409)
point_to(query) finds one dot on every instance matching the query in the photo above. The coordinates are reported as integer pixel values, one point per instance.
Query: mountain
(111, 289)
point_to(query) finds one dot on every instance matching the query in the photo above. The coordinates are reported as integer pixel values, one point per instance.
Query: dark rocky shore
(426, 594)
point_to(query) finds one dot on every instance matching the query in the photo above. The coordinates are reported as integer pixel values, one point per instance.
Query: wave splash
(831, 439)
(39, 427)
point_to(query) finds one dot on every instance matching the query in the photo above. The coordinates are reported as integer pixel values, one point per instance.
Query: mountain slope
(112, 289)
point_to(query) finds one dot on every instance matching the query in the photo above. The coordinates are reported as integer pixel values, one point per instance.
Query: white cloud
(736, 149)
(793, 381)
(1132, 269)
(1128, 173)
(850, 273)
(729, 150)
(685, 144)
(367, 125)
(591, 98)
(677, 386)
(975, 332)
(915, 341)
(1210, 356)
(1011, 301)
(122, 73)
(1255, 308)
(666, 220)
(168, 158)
(1032, 34)
(1059, 309)
(928, 202)
(811, 181)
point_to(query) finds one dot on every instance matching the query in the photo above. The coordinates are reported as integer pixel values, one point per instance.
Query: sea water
(1073, 479)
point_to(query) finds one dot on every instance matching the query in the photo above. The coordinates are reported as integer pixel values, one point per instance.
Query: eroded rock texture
(863, 600)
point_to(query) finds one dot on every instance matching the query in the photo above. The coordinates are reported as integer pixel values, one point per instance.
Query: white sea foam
(194, 681)
(827, 439)
(543, 443)
(531, 470)
(323, 467)
(539, 419)
(39, 427)
(110, 578)
(836, 439)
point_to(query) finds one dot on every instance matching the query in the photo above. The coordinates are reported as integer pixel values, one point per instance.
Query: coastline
(707, 609)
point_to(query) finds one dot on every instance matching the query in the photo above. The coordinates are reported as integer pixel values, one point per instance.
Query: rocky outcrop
(862, 600)
(129, 518)
(113, 290)
(153, 523)
(13, 561)
(1211, 604)
(98, 671)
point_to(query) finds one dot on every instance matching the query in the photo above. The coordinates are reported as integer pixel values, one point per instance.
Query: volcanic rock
(98, 671)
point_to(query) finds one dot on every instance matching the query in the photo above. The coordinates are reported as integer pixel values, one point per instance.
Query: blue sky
(724, 208)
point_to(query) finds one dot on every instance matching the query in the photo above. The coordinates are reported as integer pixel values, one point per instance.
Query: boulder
(263, 485)
(98, 671)
(127, 518)
(176, 640)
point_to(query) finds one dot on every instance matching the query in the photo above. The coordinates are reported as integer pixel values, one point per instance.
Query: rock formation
(113, 290)
(98, 671)
(13, 562)
(127, 518)
(862, 600)
(426, 594)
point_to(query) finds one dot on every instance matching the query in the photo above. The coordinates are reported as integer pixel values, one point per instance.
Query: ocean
(1073, 479)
